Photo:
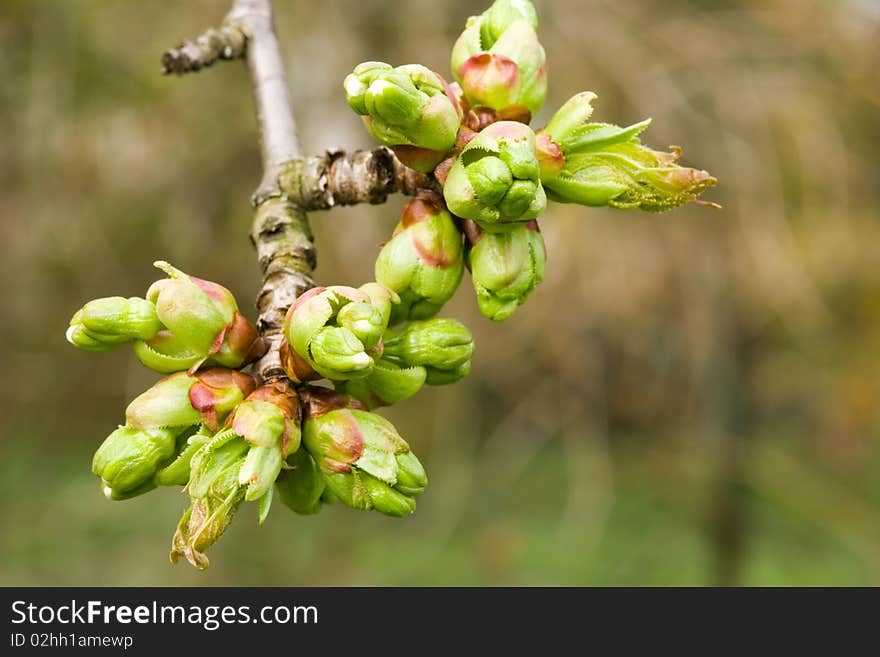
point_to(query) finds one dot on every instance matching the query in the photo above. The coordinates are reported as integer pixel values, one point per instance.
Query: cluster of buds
(164, 427)
(228, 438)
(183, 323)
(495, 172)
(336, 332)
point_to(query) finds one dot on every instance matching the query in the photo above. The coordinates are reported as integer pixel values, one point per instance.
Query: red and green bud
(269, 421)
(406, 107)
(495, 180)
(301, 486)
(159, 425)
(505, 267)
(335, 332)
(183, 323)
(499, 62)
(599, 164)
(387, 384)
(365, 462)
(104, 324)
(423, 261)
(203, 319)
(443, 347)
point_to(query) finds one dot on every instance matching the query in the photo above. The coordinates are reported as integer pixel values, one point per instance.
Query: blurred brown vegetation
(689, 398)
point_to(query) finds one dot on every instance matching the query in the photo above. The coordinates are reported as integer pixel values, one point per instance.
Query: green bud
(183, 322)
(411, 476)
(338, 354)
(435, 377)
(259, 422)
(217, 392)
(177, 472)
(153, 447)
(129, 457)
(602, 164)
(301, 487)
(104, 324)
(165, 405)
(437, 344)
(382, 299)
(324, 327)
(361, 491)
(365, 322)
(499, 62)
(387, 384)
(186, 309)
(405, 106)
(495, 180)
(423, 262)
(365, 462)
(165, 353)
(268, 420)
(259, 470)
(501, 15)
(505, 268)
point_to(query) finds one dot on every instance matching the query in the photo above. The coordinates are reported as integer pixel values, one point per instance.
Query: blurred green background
(690, 398)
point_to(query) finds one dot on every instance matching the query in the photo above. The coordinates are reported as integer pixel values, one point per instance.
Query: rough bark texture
(280, 232)
(340, 178)
(291, 184)
(227, 42)
(286, 254)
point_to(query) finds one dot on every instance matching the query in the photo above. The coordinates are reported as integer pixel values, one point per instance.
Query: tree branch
(291, 184)
(280, 232)
(228, 43)
(340, 178)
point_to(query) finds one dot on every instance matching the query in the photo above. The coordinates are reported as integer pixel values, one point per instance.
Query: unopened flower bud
(365, 462)
(301, 486)
(437, 377)
(602, 164)
(129, 457)
(158, 425)
(499, 62)
(505, 268)
(203, 317)
(183, 322)
(406, 106)
(269, 420)
(364, 492)
(423, 261)
(103, 324)
(387, 384)
(177, 472)
(338, 354)
(364, 321)
(330, 337)
(495, 180)
(442, 346)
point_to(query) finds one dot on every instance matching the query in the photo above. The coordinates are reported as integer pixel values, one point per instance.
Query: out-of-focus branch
(228, 42)
(340, 178)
